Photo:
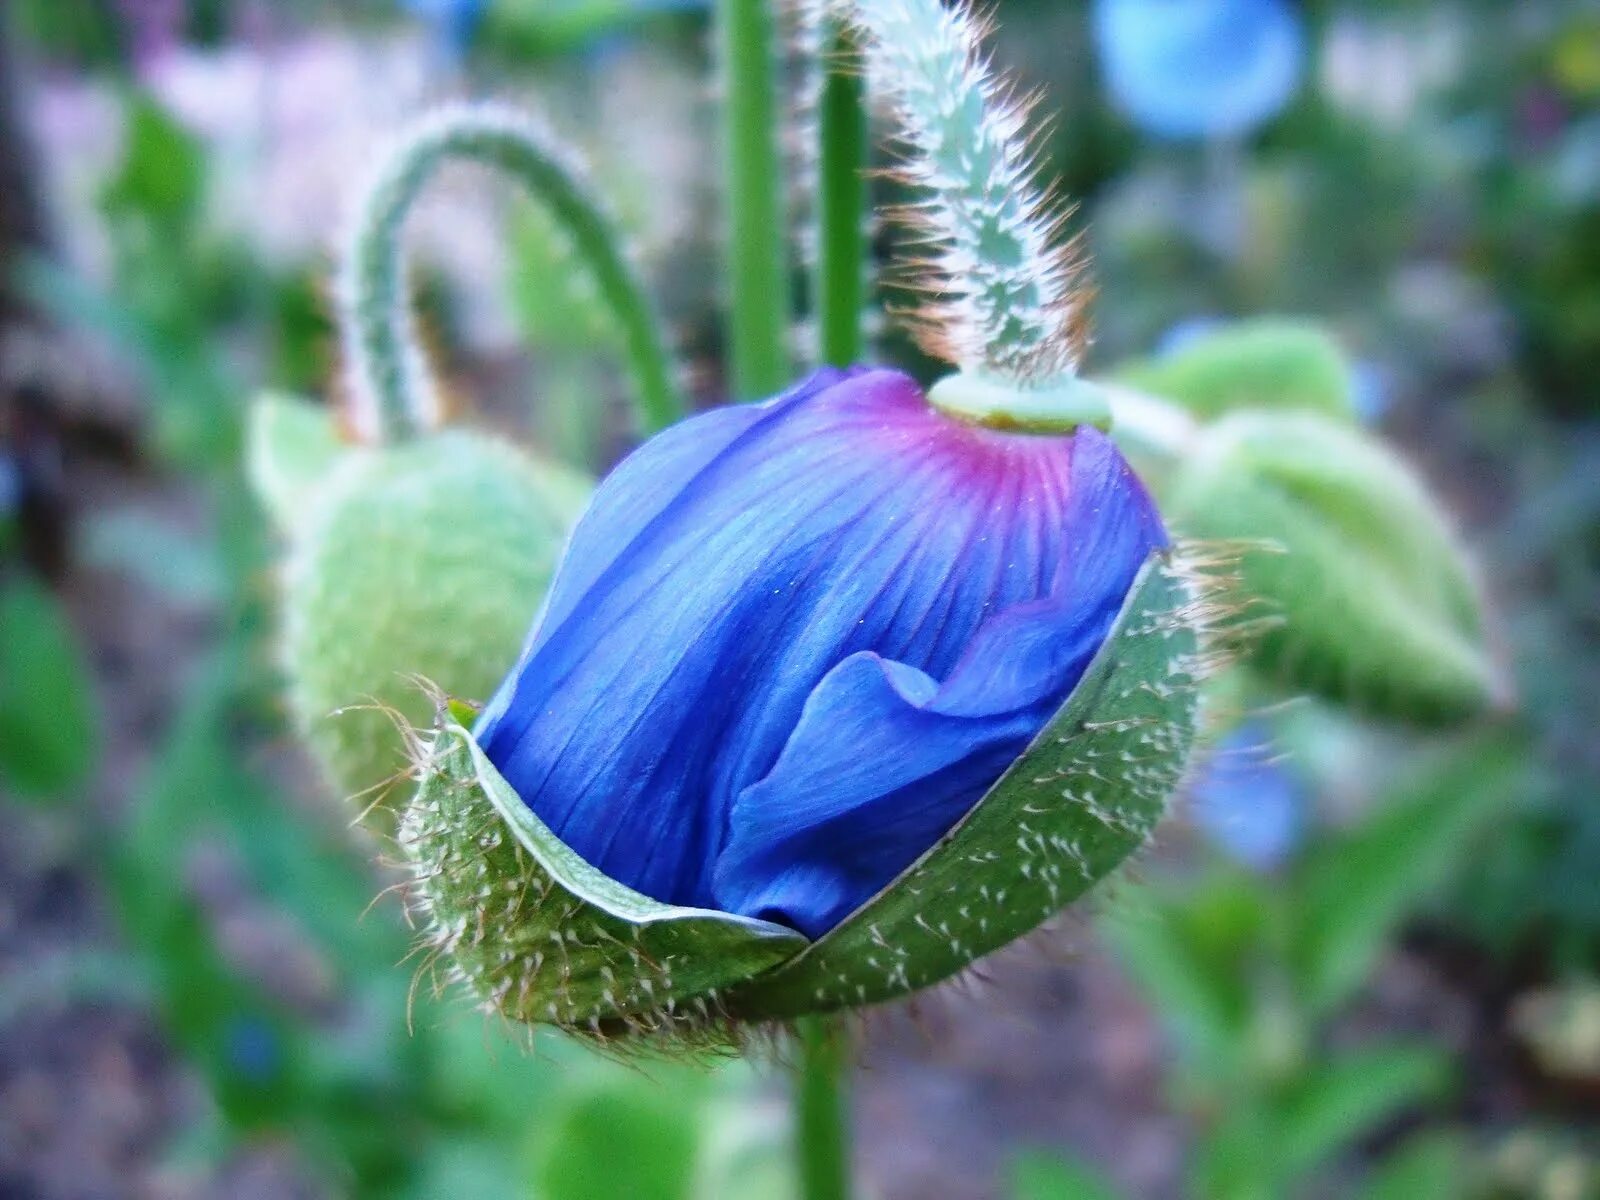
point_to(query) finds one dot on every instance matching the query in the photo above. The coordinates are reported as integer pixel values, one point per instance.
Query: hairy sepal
(540, 936)
(1084, 797)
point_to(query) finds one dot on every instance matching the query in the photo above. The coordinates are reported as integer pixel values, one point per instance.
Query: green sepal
(1270, 363)
(1083, 797)
(1363, 592)
(541, 936)
(292, 447)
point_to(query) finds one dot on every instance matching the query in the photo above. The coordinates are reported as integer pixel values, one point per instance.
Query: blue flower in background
(1248, 800)
(252, 1049)
(1199, 68)
(452, 22)
(792, 643)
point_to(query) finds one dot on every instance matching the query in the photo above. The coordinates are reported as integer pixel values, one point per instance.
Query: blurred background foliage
(1365, 962)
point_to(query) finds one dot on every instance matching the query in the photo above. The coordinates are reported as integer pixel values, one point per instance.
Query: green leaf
(47, 723)
(291, 447)
(1431, 1166)
(1085, 795)
(162, 173)
(1364, 594)
(1345, 1100)
(541, 934)
(1197, 981)
(630, 1137)
(1357, 888)
(1040, 1176)
(1238, 1158)
(1269, 363)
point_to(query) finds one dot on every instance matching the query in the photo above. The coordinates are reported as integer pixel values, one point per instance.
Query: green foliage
(1364, 594)
(47, 719)
(1246, 973)
(622, 1139)
(1431, 1166)
(1039, 1176)
(1351, 897)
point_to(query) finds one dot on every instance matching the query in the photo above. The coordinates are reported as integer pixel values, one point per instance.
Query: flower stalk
(393, 392)
(841, 200)
(757, 259)
(821, 1109)
(1005, 297)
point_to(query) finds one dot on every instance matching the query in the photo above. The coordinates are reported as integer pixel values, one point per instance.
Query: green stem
(758, 319)
(394, 390)
(841, 280)
(821, 1119)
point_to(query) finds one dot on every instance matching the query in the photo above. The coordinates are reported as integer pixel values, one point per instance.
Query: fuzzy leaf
(1367, 596)
(544, 937)
(1271, 363)
(1084, 796)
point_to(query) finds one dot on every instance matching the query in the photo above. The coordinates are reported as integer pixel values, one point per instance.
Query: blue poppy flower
(452, 23)
(1248, 800)
(791, 644)
(1199, 68)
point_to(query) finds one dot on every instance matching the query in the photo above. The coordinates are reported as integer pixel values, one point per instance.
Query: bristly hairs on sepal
(1005, 291)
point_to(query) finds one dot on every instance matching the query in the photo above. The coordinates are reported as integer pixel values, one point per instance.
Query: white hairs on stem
(1004, 290)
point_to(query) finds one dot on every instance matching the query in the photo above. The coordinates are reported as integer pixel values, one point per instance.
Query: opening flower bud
(838, 665)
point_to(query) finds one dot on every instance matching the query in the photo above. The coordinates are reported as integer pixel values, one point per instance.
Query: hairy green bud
(1364, 593)
(1273, 364)
(424, 561)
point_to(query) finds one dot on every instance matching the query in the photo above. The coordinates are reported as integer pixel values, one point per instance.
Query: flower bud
(422, 561)
(1269, 363)
(1364, 592)
(832, 696)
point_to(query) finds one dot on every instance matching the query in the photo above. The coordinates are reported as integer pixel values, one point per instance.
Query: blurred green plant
(1247, 973)
(47, 718)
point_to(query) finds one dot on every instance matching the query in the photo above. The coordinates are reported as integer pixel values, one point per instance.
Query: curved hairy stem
(1004, 291)
(394, 393)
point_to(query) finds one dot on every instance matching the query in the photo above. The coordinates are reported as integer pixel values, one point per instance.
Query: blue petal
(761, 585)
(885, 760)
(1199, 68)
